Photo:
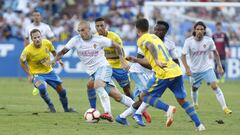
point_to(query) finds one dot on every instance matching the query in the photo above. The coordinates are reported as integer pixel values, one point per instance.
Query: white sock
(126, 100)
(220, 97)
(127, 112)
(104, 98)
(141, 108)
(194, 95)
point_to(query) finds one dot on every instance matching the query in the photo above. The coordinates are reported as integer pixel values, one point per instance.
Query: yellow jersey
(38, 58)
(110, 53)
(171, 70)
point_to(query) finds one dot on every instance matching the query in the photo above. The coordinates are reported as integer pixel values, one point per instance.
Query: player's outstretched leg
(157, 103)
(105, 101)
(43, 93)
(192, 114)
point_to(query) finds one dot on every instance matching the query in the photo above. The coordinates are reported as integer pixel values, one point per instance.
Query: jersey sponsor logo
(200, 53)
(88, 53)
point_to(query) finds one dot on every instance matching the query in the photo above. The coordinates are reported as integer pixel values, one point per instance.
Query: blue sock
(155, 102)
(191, 113)
(63, 98)
(92, 97)
(44, 95)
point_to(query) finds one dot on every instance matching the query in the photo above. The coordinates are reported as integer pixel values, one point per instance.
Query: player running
(167, 75)
(90, 51)
(35, 61)
(118, 73)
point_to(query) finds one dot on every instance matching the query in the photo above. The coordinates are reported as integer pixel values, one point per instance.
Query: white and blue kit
(200, 64)
(91, 54)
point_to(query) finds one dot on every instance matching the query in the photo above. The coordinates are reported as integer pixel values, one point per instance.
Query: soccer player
(141, 75)
(35, 61)
(198, 47)
(118, 73)
(220, 39)
(167, 75)
(44, 28)
(90, 51)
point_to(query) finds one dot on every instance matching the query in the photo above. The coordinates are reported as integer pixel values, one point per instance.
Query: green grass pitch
(21, 113)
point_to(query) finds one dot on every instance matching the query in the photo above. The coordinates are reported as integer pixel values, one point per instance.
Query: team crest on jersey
(204, 46)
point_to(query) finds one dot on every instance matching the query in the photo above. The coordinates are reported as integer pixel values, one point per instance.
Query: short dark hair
(99, 19)
(142, 25)
(195, 26)
(34, 31)
(218, 23)
(160, 22)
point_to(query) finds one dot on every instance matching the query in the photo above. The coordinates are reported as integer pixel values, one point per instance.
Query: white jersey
(45, 30)
(199, 53)
(137, 68)
(171, 47)
(90, 52)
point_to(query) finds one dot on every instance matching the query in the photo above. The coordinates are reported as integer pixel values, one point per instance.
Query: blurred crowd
(64, 15)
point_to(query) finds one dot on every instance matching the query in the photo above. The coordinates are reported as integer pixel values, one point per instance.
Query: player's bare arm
(120, 53)
(59, 55)
(154, 53)
(26, 69)
(187, 68)
(218, 61)
(142, 61)
(54, 53)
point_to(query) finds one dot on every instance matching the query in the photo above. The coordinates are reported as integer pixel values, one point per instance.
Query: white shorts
(104, 73)
(209, 76)
(141, 80)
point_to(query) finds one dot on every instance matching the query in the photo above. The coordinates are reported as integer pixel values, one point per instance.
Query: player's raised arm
(70, 44)
(154, 53)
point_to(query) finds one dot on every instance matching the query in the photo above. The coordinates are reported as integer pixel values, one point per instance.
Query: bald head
(84, 30)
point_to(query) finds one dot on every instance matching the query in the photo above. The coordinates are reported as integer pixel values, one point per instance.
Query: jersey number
(165, 53)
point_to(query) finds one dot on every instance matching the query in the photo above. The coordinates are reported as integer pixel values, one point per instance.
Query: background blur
(64, 15)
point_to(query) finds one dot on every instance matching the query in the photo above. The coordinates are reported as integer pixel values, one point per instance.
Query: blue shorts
(104, 73)
(196, 78)
(140, 80)
(121, 76)
(51, 78)
(156, 87)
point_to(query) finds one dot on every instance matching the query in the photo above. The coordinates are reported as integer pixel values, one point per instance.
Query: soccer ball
(92, 115)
